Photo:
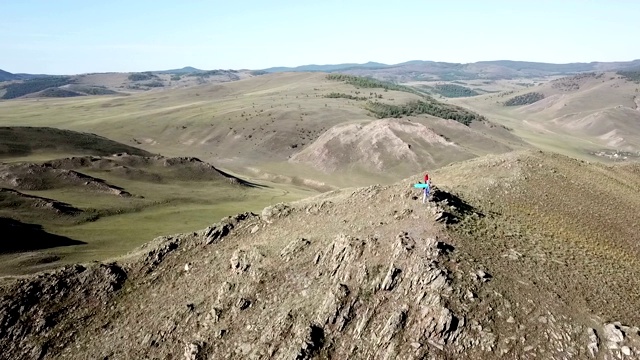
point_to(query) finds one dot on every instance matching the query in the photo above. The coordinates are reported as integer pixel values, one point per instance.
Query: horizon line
(329, 64)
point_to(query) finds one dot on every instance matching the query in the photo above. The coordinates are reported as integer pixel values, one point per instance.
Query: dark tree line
(524, 99)
(335, 95)
(427, 104)
(631, 75)
(61, 93)
(433, 108)
(34, 85)
(365, 82)
(142, 76)
(453, 91)
(206, 74)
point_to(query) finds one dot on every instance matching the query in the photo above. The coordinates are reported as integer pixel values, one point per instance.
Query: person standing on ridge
(427, 188)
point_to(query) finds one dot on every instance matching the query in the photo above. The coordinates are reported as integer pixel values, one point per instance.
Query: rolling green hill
(110, 204)
(22, 142)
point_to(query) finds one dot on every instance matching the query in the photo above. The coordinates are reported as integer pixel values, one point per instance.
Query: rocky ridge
(45, 176)
(356, 273)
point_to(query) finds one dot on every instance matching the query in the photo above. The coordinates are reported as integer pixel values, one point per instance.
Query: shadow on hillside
(451, 200)
(240, 181)
(18, 236)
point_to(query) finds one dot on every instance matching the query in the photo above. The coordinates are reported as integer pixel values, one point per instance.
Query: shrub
(142, 76)
(365, 82)
(453, 91)
(524, 99)
(335, 95)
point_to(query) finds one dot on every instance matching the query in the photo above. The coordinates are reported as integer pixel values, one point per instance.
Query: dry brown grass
(579, 114)
(575, 224)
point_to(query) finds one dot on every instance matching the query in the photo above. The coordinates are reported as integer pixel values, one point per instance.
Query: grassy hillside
(264, 128)
(110, 204)
(474, 87)
(578, 115)
(18, 142)
(252, 124)
(43, 86)
(33, 209)
(7, 76)
(426, 104)
(575, 221)
(30, 86)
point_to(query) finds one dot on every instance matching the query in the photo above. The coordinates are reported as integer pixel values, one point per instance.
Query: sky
(73, 37)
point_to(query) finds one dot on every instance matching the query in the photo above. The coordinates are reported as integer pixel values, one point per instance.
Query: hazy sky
(69, 37)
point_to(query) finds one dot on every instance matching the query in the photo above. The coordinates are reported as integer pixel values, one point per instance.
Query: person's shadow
(443, 197)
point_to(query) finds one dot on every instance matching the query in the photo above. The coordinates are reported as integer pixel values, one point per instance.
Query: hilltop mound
(380, 146)
(55, 93)
(497, 265)
(582, 93)
(22, 141)
(399, 146)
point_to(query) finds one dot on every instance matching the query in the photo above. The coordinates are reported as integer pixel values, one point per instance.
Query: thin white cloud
(143, 47)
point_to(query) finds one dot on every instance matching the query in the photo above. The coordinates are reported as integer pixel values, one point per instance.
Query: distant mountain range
(328, 68)
(432, 70)
(423, 70)
(515, 65)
